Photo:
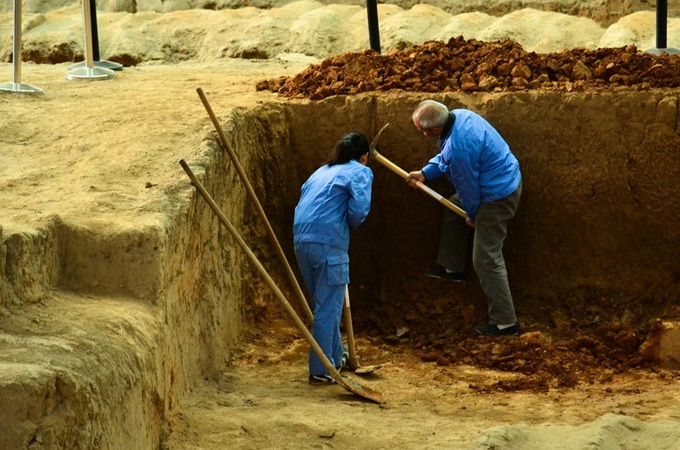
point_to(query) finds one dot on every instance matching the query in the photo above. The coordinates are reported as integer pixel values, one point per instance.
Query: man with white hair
(478, 162)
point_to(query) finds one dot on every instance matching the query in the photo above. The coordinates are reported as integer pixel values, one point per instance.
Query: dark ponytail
(352, 145)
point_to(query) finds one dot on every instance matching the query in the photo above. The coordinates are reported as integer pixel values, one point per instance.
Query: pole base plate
(20, 88)
(89, 74)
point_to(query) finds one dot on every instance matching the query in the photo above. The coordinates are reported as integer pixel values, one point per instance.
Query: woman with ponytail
(334, 200)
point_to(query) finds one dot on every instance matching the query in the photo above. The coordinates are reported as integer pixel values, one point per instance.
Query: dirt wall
(105, 329)
(599, 208)
(28, 263)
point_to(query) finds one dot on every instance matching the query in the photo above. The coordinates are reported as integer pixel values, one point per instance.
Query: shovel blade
(360, 390)
(363, 370)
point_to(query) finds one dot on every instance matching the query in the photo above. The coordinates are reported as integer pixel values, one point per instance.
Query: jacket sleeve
(431, 170)
(360, 197)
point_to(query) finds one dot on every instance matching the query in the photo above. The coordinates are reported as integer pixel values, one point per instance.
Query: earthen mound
(471, 65)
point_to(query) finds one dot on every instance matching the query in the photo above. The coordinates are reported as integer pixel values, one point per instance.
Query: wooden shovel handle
(258, 207)
(423, 187)
(348, 385)
(349, 329)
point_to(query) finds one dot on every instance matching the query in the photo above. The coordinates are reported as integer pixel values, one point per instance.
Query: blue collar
(448, 126)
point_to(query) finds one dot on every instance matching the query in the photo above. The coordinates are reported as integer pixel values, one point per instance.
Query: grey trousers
(489, 233)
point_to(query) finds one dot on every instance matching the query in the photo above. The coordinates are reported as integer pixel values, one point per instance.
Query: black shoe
(343, 361)
(321, 379)
(440, 272)
(493, 330)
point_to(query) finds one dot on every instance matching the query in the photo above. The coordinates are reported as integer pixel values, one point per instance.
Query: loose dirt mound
(581, 338)
(471, 65)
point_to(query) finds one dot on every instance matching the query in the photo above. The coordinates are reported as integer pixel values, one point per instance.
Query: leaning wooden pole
(258, 207)
(345, 382)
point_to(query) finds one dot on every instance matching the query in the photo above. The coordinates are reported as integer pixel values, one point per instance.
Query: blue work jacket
(334, 200)
(476, 160)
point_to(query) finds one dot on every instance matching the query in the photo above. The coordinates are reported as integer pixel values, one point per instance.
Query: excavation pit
(591, 257)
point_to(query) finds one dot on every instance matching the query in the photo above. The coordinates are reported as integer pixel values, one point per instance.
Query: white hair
(431, 114)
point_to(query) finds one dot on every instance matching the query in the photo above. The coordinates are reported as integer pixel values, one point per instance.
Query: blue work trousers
(325, 271)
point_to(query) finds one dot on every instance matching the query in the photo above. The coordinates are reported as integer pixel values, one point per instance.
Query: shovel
(345, 382)
(347, 314)
(351, 347)
(258, 207)
(402, 173)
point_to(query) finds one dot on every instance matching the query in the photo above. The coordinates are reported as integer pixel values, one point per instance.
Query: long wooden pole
(349, 329)
(258, 207)
(351, 386)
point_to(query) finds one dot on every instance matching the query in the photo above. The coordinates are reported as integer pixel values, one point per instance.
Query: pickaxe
(402, 173)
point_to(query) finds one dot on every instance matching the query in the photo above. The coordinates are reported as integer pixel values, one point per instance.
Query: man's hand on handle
(417, 177)
(414, 177)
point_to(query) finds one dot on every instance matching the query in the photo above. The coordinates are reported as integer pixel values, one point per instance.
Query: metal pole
(16, 85)
(89, 72)
(95, 33)
(95, 44)
(661, 23)
(662, 30)
(373, 29)
(16, 45)
(89, 56)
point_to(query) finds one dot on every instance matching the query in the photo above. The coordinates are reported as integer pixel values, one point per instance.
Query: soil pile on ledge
(471, 65)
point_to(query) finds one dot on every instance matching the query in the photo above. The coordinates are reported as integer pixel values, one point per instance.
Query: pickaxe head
(374, 142)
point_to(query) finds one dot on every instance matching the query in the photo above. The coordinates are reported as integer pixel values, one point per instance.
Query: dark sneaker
(493, 330)
(321, 379)
(440, 272)
(344, 359)
(343, 363)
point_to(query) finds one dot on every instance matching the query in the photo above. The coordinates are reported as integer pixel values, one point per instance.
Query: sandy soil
(263, 401)
(105, 154)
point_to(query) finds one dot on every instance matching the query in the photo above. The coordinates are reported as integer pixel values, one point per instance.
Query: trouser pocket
(338, 269)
